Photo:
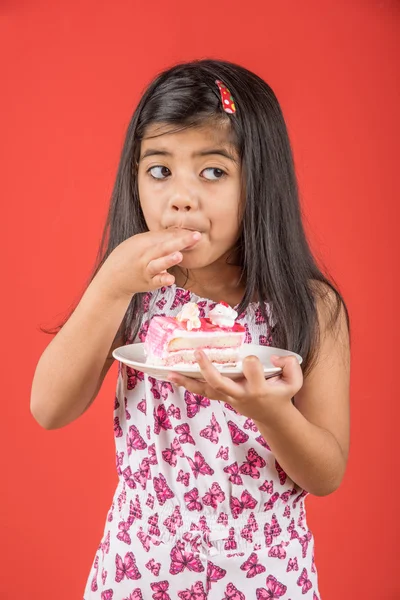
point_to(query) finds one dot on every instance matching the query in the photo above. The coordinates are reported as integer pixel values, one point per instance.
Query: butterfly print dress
(202, 508)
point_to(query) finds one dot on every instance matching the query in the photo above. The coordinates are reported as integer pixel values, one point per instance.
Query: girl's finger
(158, 265)
(172, 241)
(291, 370)
(254, 374)
(215, 379)
(201, 388)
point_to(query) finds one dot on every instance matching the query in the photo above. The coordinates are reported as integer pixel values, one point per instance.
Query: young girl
(213, 473)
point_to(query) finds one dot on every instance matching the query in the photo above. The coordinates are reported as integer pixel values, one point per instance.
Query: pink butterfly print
(238, 506)
(181, 560)
(315, 597)
(223, 453)
(313, 569)
(181, 298)
(161, 419)
(251, 525)
(133, 377)
(274, 591)
(213, 496)
(194, 541)
(199, 465)
(150, 501)
(174, 412)
(160, 590)
(194, 402)
(117, 428)
(110, 514)
(263, 340)
(126, 568)
(196, 592)
(281, 473)
(259, 316)
(223, 518)
(249, 424)
(153, 566)
(153, 525)
(148, 430)
(302, 494)
(142, 406)
(152, 458)
(119, 459)
(107, 595)
(214, 574)
(252, 566)
(230, 543)
(229, 407)
(269, 505)
(135, 595)
(252, 463)
(105, 546)
(103, 576)
(278, 551)
(261, 441)
(286, 512)
(212, 430)
(162, 387)
(292, 565)
(292, 531)
(116, 403)
(192, 500)
(127, 474)
(202, 305)
(161, 303)
(143, 331)
(143, 473)
(234, 476)
(183, 432)
(286, 495)
(123, 533)
(127, 413)
(304, 541)
(144, 538)
(170, 455)
(232, 593)
(175, 521)
(267, 486)
(183, 477)
(135, 510)
(271, 530)
(94, 586)
(248, 339)
(146, 301)
(135, 440)
(304, 582)
(238, 436)
(163, 491)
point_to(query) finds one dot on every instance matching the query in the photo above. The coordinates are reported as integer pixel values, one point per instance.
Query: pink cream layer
(166, 334)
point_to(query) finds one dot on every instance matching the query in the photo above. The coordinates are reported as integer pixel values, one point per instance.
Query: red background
(72, 73)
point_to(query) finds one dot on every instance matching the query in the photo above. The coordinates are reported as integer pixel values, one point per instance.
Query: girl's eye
(219, 172)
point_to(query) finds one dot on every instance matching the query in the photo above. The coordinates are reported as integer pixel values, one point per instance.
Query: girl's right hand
(140, 263)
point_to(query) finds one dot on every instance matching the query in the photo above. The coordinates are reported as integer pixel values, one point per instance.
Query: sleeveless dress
(202, 508)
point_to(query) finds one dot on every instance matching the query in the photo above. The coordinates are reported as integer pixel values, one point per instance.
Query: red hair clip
(228, 103)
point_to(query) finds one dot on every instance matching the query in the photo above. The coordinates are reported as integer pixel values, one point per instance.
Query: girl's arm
(309, 439)
(72, 367)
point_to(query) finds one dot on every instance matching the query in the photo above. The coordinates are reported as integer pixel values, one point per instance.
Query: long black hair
(277, 264)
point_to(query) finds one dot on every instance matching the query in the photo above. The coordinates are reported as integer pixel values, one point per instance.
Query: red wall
(72, 73)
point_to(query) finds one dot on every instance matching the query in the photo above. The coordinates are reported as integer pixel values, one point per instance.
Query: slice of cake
(172, 341)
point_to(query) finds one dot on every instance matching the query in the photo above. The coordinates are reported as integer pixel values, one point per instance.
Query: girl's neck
(213, 283)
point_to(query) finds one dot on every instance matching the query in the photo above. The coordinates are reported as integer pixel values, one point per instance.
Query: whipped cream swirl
(190, 315)
(223, 315)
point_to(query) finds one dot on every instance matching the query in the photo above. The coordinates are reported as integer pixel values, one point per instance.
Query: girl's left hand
(252, 396)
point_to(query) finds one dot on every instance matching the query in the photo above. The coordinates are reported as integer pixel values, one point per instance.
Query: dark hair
(277, 263)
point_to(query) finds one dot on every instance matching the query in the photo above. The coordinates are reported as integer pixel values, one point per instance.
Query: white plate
(133, 356)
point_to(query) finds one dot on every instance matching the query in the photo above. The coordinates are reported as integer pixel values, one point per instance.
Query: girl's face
(192, 179)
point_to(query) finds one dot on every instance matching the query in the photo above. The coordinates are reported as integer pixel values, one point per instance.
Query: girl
(213, 473)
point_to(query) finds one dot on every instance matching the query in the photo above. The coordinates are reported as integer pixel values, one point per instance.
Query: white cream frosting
(223, 316)
(190, 314)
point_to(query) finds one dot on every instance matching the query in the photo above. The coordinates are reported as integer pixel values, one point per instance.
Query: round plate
(133, 356)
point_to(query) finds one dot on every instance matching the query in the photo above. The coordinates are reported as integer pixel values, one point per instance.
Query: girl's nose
(183, 202)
